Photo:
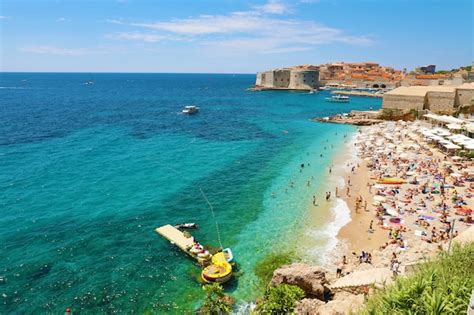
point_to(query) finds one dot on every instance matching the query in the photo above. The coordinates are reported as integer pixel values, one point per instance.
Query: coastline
(355, 233)
(327, 218)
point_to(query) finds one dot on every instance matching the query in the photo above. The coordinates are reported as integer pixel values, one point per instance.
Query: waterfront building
(294, 78)
(438, 99)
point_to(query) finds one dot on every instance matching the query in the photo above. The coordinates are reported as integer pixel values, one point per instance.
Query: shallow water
(88, 171)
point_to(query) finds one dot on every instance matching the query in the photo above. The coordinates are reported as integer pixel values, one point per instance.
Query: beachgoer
(340, 266)
(394, 268)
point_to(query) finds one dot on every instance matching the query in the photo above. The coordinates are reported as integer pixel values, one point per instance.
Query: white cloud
(208, 24)
(60, 51)
(249, 31)
(273, 7)
(149, 38)
(3, 17)
(63, 19)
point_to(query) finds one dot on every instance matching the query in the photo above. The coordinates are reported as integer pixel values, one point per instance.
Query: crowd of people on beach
(428, 197)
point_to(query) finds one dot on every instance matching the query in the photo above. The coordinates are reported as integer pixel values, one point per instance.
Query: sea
(92, 163)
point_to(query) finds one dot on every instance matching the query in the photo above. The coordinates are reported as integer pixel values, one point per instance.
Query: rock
(311, 279)
(342, 304)
(308, 306)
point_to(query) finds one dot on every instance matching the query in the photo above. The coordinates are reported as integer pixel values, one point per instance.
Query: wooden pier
(176, 237)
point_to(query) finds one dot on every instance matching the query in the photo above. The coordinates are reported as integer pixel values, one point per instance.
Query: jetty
(176, 237)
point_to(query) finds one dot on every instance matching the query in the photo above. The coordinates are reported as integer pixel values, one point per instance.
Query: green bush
(280, 299)
(216, 302)
(442, 286)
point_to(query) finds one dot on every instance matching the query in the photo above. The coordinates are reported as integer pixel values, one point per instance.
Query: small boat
(219, 271)
(190, 109)
(89, 83)
(228, 254)
(187, 226)
(338, 99)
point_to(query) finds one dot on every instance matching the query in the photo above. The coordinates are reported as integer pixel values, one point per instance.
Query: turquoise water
(88, 171)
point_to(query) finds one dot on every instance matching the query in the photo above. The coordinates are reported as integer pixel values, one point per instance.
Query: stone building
(295, 78)
(438, 99)
(360, 75)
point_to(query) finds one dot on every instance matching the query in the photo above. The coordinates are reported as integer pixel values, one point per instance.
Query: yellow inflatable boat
(219, 271)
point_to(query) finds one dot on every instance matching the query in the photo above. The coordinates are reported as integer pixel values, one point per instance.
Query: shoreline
(327, 218)
(355, 233)
(355, 237)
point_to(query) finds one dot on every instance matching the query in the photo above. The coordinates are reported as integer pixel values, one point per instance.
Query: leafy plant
(216, 301)
(280, 299)
(442, 286)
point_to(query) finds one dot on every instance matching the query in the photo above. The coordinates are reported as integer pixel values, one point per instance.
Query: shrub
(280, 299)
(442, 286)
(216, 302)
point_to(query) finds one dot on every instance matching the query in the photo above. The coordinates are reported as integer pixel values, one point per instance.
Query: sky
(230, 36)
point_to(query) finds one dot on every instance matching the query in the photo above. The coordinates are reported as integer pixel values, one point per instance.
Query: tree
(216, 301)
(280, 299)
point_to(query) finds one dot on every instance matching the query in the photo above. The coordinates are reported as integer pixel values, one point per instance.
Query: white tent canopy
(454, 126)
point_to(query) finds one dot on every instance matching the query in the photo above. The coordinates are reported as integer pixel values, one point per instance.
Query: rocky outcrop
(311, 279)
(343, 303)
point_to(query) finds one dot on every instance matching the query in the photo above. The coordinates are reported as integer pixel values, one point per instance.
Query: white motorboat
(228, 254)
(187, 226)
(190, 109)
(338, 99)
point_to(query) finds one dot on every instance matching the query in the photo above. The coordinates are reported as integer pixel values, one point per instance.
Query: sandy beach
(412, 220)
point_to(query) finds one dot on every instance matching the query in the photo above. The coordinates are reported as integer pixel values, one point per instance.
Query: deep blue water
(88, 171)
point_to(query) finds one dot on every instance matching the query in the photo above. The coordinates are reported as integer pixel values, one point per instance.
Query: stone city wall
(288, 79)
(403, 101)
(440, 101)
(464, 97)
(304, 79)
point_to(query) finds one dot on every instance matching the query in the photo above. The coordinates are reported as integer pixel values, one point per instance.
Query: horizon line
(129, 72)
